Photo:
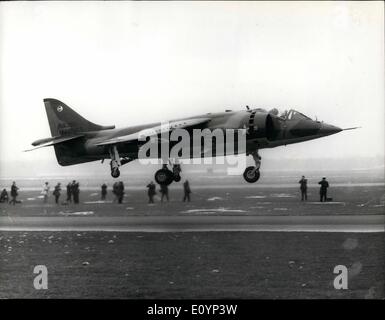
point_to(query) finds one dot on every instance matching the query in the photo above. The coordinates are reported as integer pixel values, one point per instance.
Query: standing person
(324, 189)
(69, 192)
(151, 192)
(75, 191)
(56, 193)
(104, 191)
(303, 188)
(164, 192)
(4, 196)
(187, 191)
(115, 191)
(14, 193)
(120, 190)
(45, 192)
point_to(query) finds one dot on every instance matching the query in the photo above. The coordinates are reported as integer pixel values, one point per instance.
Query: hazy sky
(127, 63)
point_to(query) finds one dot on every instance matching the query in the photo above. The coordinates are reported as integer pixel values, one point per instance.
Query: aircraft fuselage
(265, 131)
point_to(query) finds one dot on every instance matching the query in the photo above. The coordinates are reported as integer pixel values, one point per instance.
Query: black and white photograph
(192, 150)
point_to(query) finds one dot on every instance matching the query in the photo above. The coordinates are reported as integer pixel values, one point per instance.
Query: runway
(319, 223)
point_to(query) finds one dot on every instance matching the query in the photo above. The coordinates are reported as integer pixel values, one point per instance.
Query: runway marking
(43, 205)
(255, 197)
(79, 213)
(328, 203)
(213, 210)
(97, 202)
(224, 229)
(282, 195)
(214, 198)
(340, 223)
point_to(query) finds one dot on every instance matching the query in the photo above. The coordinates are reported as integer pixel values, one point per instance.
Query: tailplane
(64, 121)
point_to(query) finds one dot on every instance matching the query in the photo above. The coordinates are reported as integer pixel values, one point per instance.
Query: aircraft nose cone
(305, 128)
(328, 129)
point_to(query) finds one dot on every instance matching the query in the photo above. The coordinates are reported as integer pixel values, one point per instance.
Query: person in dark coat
(14, 193)
(115, 191)
(120, 191)
(323, 190)
(4, 196)
(187, 191)
(164, 192)
(151, 192)
(56, 193)
(69, 192)
(303, 188)
(75, 191)
(104, 191)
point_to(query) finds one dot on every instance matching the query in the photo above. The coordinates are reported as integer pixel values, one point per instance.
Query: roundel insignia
(59, 109)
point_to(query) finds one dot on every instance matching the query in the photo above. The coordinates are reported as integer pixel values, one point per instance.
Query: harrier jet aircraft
(77, 140)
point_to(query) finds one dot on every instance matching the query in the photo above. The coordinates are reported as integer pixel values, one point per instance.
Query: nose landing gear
(252, 174)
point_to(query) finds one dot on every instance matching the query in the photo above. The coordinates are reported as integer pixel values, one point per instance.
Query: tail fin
(64, 121)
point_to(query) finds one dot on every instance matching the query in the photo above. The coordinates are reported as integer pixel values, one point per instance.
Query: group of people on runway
(324, 185)
(73, 192)
(4, 195)
(151, 192)
(118, 191)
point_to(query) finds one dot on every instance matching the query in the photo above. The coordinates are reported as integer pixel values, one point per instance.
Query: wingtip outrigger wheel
(115, 162)
(115, 172)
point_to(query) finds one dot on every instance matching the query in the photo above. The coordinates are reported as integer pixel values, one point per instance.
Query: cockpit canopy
(293, 115)
(290, 114)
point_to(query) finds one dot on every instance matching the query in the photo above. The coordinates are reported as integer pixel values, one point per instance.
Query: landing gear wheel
(164, 176)
(177, 178)
(251, 174)
(115, 172)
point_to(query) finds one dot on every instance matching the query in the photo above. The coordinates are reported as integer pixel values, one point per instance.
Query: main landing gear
(166, 176)
(163, 176)
(252, 174)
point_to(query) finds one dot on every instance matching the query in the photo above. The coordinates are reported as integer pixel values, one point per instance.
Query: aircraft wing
(52, 141)
(154, 131)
